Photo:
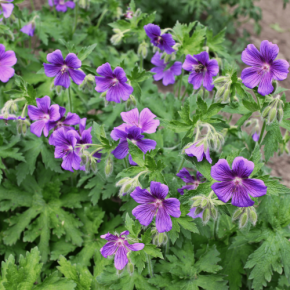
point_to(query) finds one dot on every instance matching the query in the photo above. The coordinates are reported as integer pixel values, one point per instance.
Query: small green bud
(221, 79)
(58, 90)
(84, 160)
(88, 83)
(272, 115)
(214, 213)
(94, 167)
(219, 92)
(109, 167)
(286, 149)
(266, 112)
(280, 114)
(226, 96)
(237, 213)
(196, 203)
(123, 181)
(143, 49)
(205, 215)
(198, 210)
(253, 215)
(243, 219)
(235, 99)
(14, 107)
(130, 268)
(203, 203)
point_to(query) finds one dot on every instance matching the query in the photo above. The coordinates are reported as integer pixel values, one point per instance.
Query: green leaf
(202, 106)
(136, 153)
(203, 167)
(256, 157)
(216, 43)
(153, 251)
(272, 140)
(133, 227)
(86, 51)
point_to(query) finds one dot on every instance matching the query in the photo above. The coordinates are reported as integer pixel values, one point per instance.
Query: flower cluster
(66, 139)
(61, 5)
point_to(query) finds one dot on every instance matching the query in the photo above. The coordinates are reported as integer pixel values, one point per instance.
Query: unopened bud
(14, 107)
(143, 50)
(58, 90)
(203, 203)
(109, 167)
(123, 181)
(221, 79)
(88, 83)
(226, 96)
(196, 203)
(214, 213)
(219, 92)
(272, 115)
(266, 112)
(116, 38)
(130, 268)
(237, 213)
(160, 239)
(206, 215)
(94, 167)
(198, 210)
(280, 114)
(253, 215)
(243, 219)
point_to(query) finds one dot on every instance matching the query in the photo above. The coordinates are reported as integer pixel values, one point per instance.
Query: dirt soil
(275, 28)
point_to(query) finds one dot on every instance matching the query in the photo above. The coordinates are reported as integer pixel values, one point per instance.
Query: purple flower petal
(34, 113)
(28, 29)
(255, 187)
(202, 58)
(256, 137)
(125, 233)
(198, 152)
(186, 187)
(70, 4)
(37, 127)
(163, 221)
(251, 77)
(241, 198)
(224, 190)
(102, 84)
(43, 103)
(7, 9)
(109, 237)
(159, 73)
(131, 161)
(269, 51)
(213, 67)
(60, 8)
(158, 189)
(242, 167)
(51, 70)
(82, 124)
(172, 207)
(251, 56)
(71, 161)
(142, 195)
(265, 86)
(193, 215)
(134, 247)
(105, 70)
(168, 78)
(185, 175)
(280, 69)
(146, 145)
(147, 122)
(121, 258)
(134, 133)
(7, 58)
(71, 119)
(131, 117)
(221, 171)
(62, 80)
(55, 57)
(208, 81)
(77, 76)
(72, 61)
(195, 79)
(121, 150)
(157, 60)
(189, 62)
(176, 68)
(120, 74)
(168, 42)
(207, 156)
(86, 137)
(144, 213)
(118, 92)
(152, 30)
(116, 135)
(6, 73)
(109, 249)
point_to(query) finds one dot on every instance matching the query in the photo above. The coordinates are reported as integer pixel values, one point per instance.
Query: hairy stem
(180, 82)
(150, 269)
(181, 165)
(69, 100)
(101, 18)
(262, 133)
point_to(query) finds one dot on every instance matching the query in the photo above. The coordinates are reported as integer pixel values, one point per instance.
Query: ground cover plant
(108, 183)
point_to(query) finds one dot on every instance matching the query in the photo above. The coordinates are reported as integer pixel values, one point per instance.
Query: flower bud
(253, 215)
(160, 239)
(198, 210)
(219, 92)
(130, 268)
(88, 83)
(226, 96)
(109, 167)
(272, 115)
(94, 167)
(203, 203)
(196, 203)
(123, 181)
(205, 215)
(280, 115)
(237, 213)
(221, 79)
(14, 107)
(243, 219)
(142, 50)
(84, 4)
(58, 90)
(214, 213)
(266, 112)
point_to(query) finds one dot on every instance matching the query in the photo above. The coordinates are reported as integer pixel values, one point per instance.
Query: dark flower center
(195, 183)
(198, 68)
(158, 40)
(64, 69)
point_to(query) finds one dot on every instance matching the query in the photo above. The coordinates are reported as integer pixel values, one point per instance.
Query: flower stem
(150, 270)
(180, 82)
(76, 18)
(181, 165)
(262, 133)
(141, 63)
(32, 5)
(126, 164)
(101, 18)
(69, 100)
(54, 11)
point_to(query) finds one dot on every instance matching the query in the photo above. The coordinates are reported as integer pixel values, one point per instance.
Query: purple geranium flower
(198, 152)
(7, 59)
(202, 69)
(63, 69)
(264, 68)
(29, 28)
(9, 117)
(167, 76)
(129, 13)
(61, 5)
(44, 115)
(6, 8)
(64, 122)
(145, 121)
(155, 204)
(256, 137)
(133, 134)
(164, 41)
(235, 183)
(114, 83)
(119, 246)
(193, 214)
(65, 147)
(191, 181)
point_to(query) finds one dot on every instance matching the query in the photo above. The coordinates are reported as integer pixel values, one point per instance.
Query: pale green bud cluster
(283, 146)
(89, 161)
(109, 166)
(245, 214)
(254, 124)
(207, 205)
(22, 126)
(131, 102)
(159, 239)
(84, 4)
(118, 36)
(143, 50)
(57, 89)
(274, 111)
(223, 85)
(88, 83)
(127, 185)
